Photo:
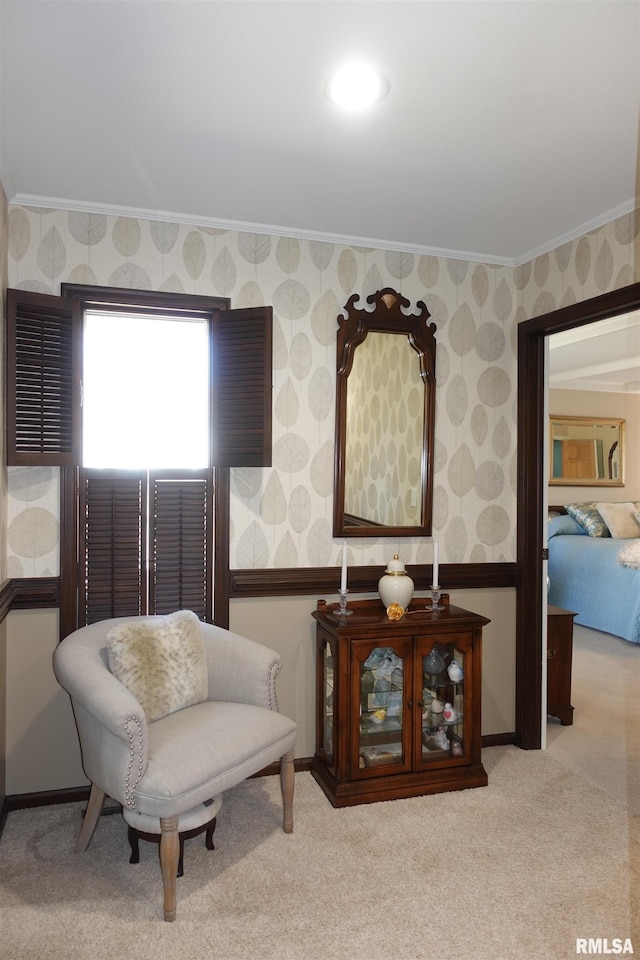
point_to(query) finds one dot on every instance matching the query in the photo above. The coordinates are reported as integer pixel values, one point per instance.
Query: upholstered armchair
(223, 723)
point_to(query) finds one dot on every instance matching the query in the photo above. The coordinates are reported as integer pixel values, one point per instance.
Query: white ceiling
(510, 126)
(602, 356)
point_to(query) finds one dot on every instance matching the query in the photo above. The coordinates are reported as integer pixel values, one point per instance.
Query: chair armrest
(240, 670)
(112, 725)
(84, 676)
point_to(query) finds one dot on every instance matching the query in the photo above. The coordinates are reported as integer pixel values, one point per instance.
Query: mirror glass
(385, 414)
(586, 451)
(385, 427)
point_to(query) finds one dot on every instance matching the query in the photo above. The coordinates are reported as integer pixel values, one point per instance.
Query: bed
(589, 572)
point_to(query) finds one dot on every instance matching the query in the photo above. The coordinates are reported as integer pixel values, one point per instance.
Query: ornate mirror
(385, 416)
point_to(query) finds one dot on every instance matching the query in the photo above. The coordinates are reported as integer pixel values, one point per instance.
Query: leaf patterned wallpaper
(282, 516)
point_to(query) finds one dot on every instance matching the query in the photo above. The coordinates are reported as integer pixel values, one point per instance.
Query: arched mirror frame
(387, 316)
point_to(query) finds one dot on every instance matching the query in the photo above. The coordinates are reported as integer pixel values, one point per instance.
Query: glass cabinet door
(326, 699)
(381, 738)
(442, 701)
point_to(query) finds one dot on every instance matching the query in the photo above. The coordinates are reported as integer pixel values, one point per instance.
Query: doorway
(532, 474)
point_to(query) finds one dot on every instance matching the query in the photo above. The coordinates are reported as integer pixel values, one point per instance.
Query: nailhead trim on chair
(129, 788)
(274, 670)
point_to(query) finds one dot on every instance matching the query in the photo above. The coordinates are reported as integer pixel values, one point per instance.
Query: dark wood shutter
(180, 543)
(43, 380)
(242, 348)
(113, 514)
(44, 355)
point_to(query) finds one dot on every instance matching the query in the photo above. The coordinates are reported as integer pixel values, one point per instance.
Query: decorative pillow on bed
(564, 525)
(620, 518)
(161, 661)
(588, 517)
(629, 555)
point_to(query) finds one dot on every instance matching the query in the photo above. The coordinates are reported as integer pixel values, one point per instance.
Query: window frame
(241, 345)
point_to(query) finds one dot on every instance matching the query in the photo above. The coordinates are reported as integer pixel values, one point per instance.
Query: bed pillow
(564, 525)
(161, 661)
(589, 517)
(620, 518)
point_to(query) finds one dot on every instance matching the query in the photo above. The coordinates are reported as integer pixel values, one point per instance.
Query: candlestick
(436, 581)
(343, 578)
(343, 610)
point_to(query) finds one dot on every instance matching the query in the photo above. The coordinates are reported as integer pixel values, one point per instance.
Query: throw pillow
(161, 660)
(588, 516)
(564, 525)
(620, 519)
(629, 555)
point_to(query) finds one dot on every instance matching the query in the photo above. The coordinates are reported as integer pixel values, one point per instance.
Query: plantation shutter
(43, 380)
(44, 350)
(112, 578)
(180, 543)
(241, 387)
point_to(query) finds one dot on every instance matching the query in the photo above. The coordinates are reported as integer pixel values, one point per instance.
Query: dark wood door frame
(532, 477)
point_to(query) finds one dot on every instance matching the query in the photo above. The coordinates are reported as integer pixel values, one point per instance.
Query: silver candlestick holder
(343, 610)
(435, 597)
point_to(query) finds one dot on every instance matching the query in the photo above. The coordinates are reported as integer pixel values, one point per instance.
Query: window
(154, 538)
(145, 398)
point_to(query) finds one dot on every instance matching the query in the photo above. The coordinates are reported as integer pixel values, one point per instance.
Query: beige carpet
(603, 743)
(517, 869)
(547, 853)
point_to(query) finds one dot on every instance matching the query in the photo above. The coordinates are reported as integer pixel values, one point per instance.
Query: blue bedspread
(586, 578)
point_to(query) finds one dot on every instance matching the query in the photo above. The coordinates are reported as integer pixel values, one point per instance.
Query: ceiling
(602, 356)
(509, 127)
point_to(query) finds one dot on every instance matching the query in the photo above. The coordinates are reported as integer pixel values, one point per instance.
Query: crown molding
(212, 223)
(271, 230)
(580, 231)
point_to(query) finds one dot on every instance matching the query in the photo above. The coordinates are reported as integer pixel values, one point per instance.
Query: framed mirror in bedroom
(586, 451)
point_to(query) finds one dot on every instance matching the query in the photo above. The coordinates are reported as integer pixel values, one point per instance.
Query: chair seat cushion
(200, 752)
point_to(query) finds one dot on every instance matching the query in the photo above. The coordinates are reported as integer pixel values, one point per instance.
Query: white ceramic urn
(396, 586)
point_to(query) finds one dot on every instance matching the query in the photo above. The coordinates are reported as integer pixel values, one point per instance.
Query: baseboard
(302, 763)
(46, 798)
(498, 740)
(4, 813)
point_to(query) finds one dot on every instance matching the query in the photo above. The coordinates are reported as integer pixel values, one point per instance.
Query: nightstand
(559, 657)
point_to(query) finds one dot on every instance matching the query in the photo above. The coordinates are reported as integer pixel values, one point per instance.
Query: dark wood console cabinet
(559, 660)
(395, 716)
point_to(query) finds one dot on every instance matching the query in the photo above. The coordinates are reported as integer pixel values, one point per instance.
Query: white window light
(356, 86)
(145, 392)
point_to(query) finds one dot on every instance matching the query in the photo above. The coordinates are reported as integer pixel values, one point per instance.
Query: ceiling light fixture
(356, 86)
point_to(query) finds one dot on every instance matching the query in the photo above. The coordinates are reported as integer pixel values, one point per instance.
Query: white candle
(436, 582)
(343, 578)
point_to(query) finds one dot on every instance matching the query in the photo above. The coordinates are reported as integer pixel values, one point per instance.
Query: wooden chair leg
(287, 783)
(133, 838)
(209, 835)
(169, 856)
(180, 872)
(91, 817)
